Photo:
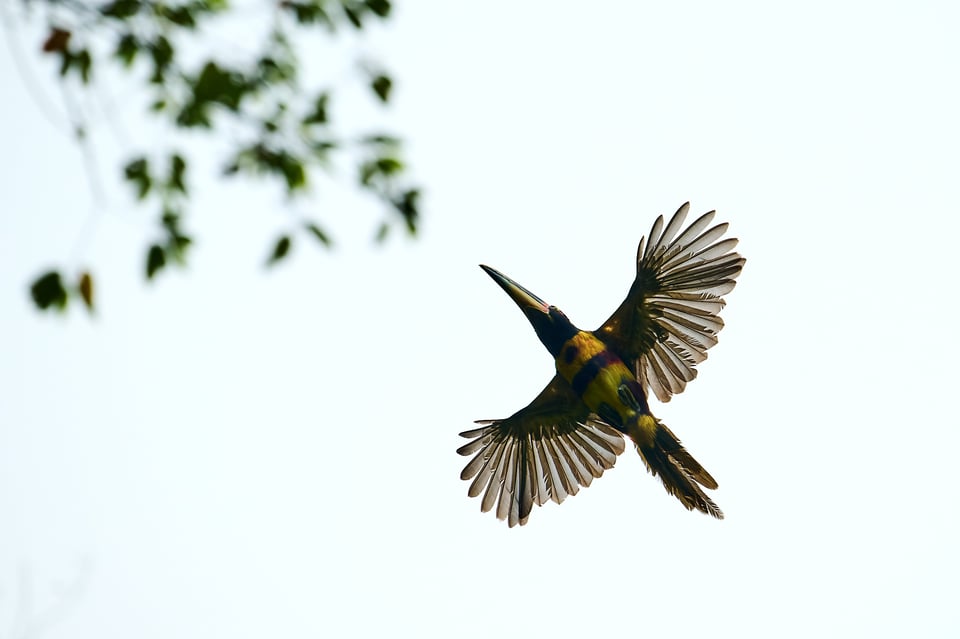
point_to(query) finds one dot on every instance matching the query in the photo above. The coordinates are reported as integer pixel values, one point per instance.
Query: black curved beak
(527, 301)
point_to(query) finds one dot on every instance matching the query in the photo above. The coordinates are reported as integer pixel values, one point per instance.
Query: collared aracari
(574, 429)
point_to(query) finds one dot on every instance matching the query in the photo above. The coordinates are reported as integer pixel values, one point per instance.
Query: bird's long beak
(527, 301)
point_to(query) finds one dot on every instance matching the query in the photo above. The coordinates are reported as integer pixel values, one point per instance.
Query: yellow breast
(596, 374)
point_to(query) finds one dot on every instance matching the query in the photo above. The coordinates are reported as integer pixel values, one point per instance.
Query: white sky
(239, 453)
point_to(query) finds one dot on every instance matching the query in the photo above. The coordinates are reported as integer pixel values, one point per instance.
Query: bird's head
(552, 326)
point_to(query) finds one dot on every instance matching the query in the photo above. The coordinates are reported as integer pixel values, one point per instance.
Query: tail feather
(681, 474)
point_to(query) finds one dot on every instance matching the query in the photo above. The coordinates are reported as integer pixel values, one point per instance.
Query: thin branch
(16, 48)
(30, 622)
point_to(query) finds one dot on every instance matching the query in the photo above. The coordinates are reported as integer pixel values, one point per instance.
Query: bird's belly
(600, 378)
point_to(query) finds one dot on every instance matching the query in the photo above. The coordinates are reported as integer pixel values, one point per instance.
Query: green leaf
(274, 71)
(66, 61)
(220, 85)
(280, 250)
(161, 52)
(178, 167)
(214, 6)
(320, 235)
(408, 207)
(353, 16)
(293, 172)
(379, 7)
(180, 243)
(127, 48)
(177, 243)
(381, 85)
(213, 85)
(382, 233)
(282, 162)
(156, 260)
(170, 220)
(319, 113)
(85, 65)
(121, 9)
(382, 167)
(389, 166)
(79, 60)
(177, 246)
(48, 291)
(381, 139)
(367, 171)
(182, 15)
(309, 12)
(137, 173)
(194, 115)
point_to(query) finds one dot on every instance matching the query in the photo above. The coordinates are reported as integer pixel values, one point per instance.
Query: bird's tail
(665, 456)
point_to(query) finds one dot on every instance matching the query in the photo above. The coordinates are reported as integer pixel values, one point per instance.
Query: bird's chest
(600, 378)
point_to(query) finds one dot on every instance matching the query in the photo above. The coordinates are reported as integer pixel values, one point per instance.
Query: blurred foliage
(288, 135)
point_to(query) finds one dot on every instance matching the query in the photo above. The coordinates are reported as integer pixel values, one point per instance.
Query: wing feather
(546, 451)
(670, 317)
(575, 459)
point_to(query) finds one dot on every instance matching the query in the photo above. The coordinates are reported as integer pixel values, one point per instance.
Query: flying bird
(575, 428)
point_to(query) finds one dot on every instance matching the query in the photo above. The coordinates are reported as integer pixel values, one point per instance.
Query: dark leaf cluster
(281, 130)
(50, 293)
(331, 14)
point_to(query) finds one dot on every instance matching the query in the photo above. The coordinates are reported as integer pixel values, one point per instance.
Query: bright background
(235, 452)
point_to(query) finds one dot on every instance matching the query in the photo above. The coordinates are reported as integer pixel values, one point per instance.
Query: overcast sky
(233, 452)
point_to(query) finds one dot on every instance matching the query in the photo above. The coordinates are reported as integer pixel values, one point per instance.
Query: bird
(576, 427)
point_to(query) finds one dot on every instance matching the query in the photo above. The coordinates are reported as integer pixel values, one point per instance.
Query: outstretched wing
(544, 451)
(671, 315)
